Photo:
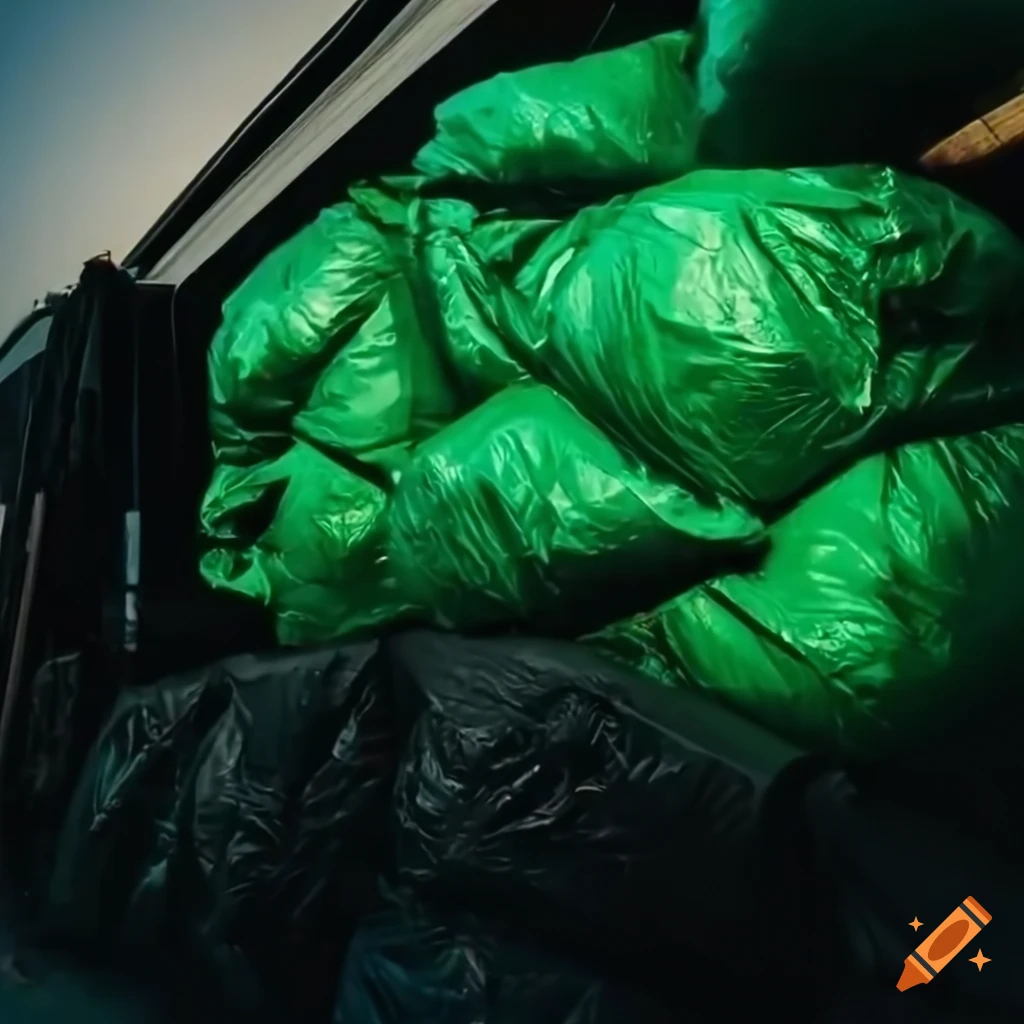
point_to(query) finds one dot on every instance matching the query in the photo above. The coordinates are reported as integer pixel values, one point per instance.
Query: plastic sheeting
(521, 412)
(500, 829)
(319, 560)
(884, 610)
(744, 333)
(750, 331)
(375, 353)
(552, 511)
(230, 825)
(540, 774)
(369, 330)
(797, 82)
(624, 115)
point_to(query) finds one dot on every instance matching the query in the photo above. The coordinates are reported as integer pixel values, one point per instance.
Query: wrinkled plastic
(321, 561)
(367, 331)
(406, 966)
(520, 512)
(627, 114)
(563, 836)
(799, 82)
(429, 411)
(744, 333)
(886, 607)
(751, 331)
(546, 783)
(290, 315)
(524, 512)
(230, 828)
(230, 824)
(335, 358)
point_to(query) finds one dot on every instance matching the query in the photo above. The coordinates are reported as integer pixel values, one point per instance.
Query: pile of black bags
(449, 830)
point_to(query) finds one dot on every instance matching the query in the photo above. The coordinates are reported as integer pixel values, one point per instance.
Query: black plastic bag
(233, 821)
(608, 817)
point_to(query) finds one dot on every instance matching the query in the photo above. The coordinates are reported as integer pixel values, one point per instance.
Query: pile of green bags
(750, 429)
(887, 599)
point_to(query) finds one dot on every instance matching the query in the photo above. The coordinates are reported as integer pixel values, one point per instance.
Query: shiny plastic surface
(628, 115)
(885, 609)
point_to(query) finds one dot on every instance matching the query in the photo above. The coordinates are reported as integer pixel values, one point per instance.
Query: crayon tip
(910, 977)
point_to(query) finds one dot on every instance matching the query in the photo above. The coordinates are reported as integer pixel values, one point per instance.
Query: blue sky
(108, 108)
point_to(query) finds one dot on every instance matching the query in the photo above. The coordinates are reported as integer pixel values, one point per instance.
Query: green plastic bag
(519, 512)
(627, 114)
(522, 512)
(321, 565)
(788, 83)
(709, 349)
(363, 403)
(741, 333)
(293, 311)
(371, 329)
(749, 332)
(889, 602)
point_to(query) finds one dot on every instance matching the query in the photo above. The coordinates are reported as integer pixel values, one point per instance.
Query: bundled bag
(750, 332)
(610, 818)
(319, 400)
(321, 561)
(292, 312)
(227, 831)
(523, 512)
(625, 115)
(885, 609)
(429, 410)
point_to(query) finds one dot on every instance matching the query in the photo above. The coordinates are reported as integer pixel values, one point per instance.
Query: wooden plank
(997, 130)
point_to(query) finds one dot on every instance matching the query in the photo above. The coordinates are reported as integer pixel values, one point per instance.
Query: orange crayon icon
(943, 944)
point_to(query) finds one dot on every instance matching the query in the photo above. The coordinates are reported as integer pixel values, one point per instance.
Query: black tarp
(540, 774)
(233, 821)
(511, 827)
(77, 454)
(229, 828)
